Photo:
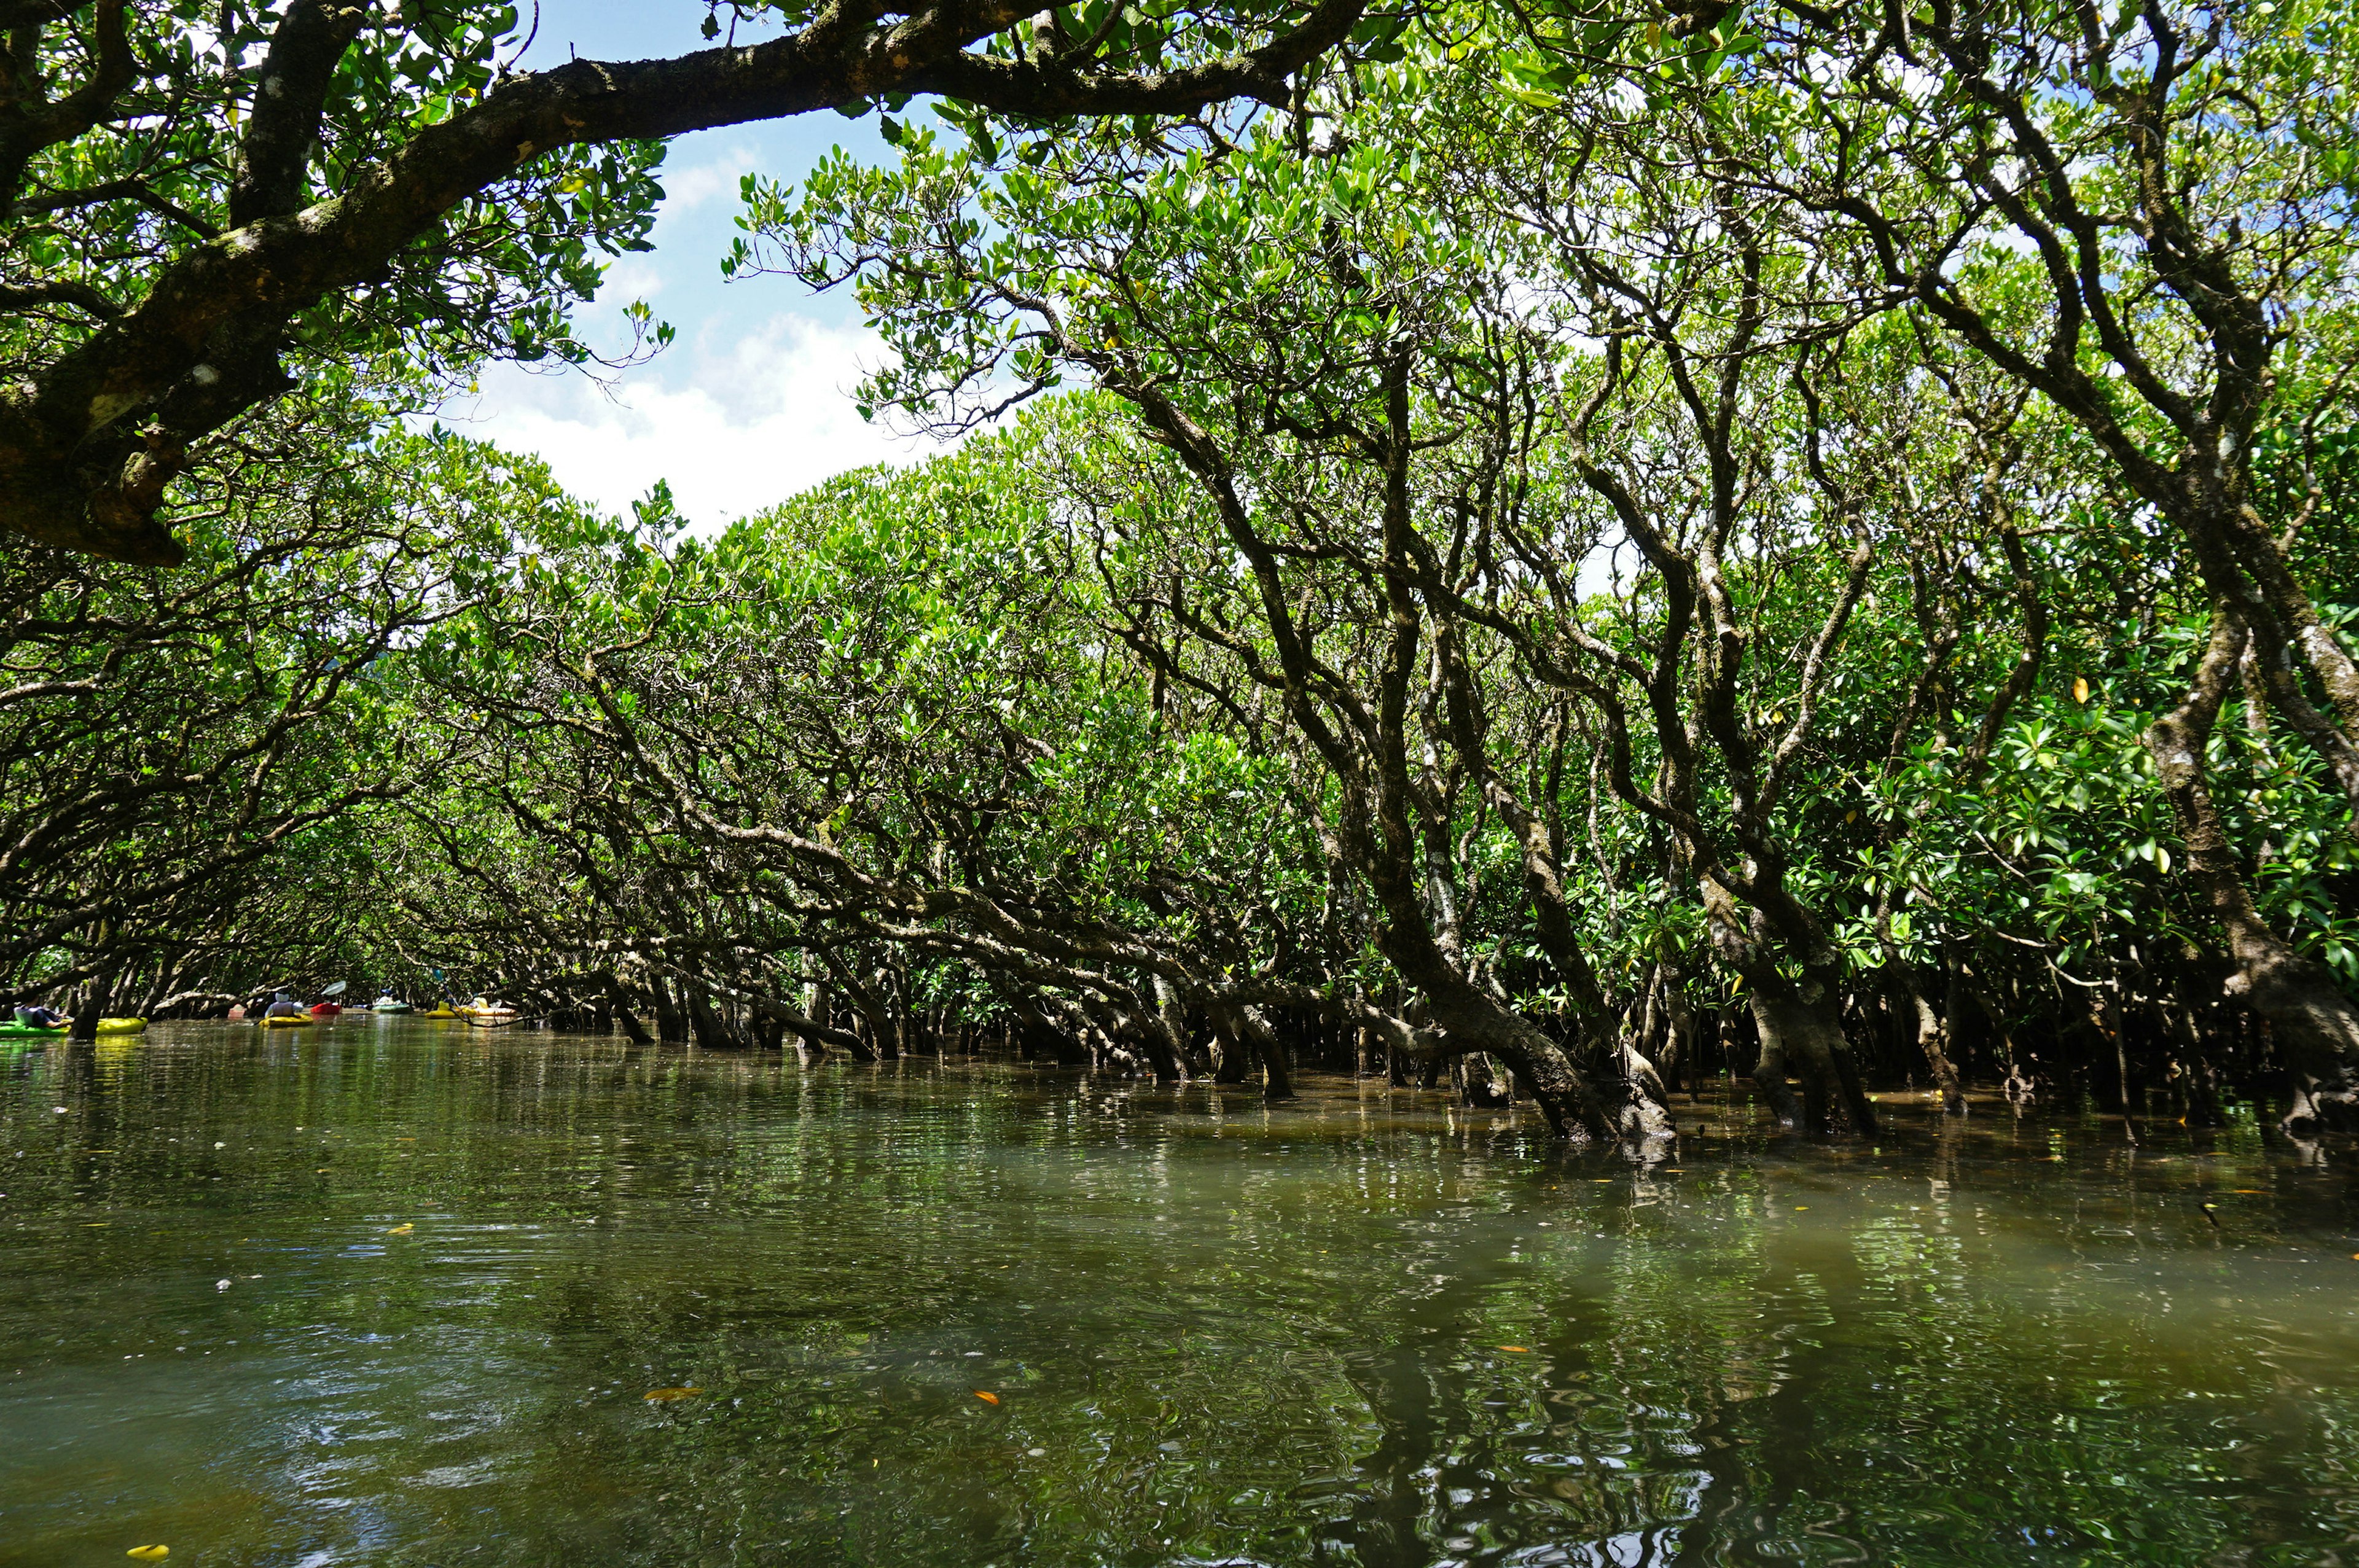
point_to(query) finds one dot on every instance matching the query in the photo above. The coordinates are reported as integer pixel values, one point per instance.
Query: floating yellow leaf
(2080, 689)
(986, 1399)
(149, 1554)
(401, 1230)
(664, 1396)
(1516, 1349)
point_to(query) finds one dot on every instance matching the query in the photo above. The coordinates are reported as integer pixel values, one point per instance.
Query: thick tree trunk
(814, 1033)
(670, 1023)
(1470, 1019)
(1675, 1060)
(1276, 1075)
(1646, 1111)
(712, 1033)
(1229, 1052)
(1801, 1027)
(2315, 1025)
(1160, 1053)
(1769, 1072)
(884, 1034)
(871, 1044)
(1473, 1021)
(1933, 1039)
(1171, 1020)
(93, 1006)
(86, 1016)
(1477, 1085)
(632, 1027)
(1800, 1023)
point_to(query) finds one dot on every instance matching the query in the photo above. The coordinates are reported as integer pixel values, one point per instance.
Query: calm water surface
(397, 1293)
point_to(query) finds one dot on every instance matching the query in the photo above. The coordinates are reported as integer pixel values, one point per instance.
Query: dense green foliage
(1597, 554)
(203, 207)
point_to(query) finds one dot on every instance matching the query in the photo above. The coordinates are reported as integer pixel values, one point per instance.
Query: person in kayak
(284, 1006)
(41, 1018)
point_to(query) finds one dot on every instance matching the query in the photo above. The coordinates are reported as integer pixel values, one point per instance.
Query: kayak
(326, 1008)
(107, 1026)
(288, 1021)
(389, 1007)
(492, 1018)
(438, 1012)
(15, 1031)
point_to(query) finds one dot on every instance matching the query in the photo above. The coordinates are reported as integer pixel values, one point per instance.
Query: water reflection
(395, 1292)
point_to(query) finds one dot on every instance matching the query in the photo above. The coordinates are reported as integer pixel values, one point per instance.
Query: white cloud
(743, 425)
(688, 188)
(627, 279)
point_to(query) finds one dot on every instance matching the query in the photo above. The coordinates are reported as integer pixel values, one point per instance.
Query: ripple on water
(1213, 1331)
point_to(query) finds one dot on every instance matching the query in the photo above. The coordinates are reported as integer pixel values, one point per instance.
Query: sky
(751, 401)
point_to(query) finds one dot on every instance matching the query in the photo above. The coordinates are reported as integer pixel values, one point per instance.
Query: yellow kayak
(298, 1021)
(438, 1012)
(121, 1025)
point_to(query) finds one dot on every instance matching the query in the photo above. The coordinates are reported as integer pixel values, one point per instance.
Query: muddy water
(396, 1292)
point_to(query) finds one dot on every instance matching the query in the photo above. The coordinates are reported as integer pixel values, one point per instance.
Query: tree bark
(1276, 1075)
(1933, 1039)
(629, 1020)
(2314, 1025)
(1229, 1051)
(1800, 1023)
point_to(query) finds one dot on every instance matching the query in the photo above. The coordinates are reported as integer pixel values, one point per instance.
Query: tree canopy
(1576, 551)
(211, 205)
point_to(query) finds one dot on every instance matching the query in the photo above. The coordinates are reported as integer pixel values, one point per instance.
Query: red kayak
(326, 1008)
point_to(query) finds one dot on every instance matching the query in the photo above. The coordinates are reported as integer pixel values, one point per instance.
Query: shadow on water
(395, 1292)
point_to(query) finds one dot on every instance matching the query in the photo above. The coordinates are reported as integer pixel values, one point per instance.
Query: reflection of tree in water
(1479, 1462)
(1892, 1393)
(1215, 1332)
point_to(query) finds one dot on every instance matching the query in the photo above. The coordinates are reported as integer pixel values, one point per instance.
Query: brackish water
(396, 1294)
